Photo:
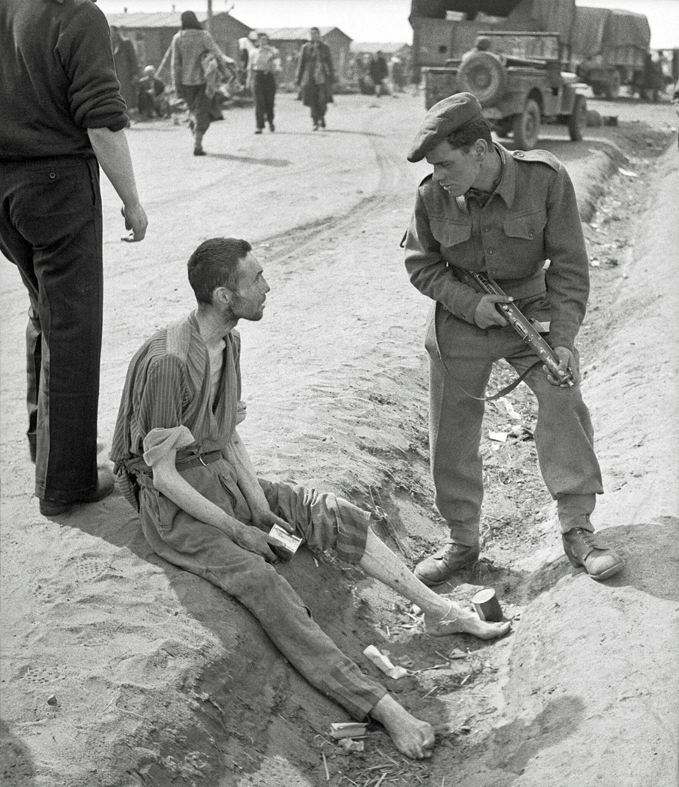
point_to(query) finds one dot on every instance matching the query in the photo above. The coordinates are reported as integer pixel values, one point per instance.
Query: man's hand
(264, 518)
(567, 363)
(255, 541)
(136, 221)
(486, 315)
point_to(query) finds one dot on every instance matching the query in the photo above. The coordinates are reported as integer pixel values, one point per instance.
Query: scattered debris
(348, 729)
(508, 407)
(499, 437)
(383, 663)
(627, 173)
(349, 744)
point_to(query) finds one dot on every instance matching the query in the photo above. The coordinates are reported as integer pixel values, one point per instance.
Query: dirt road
(158, 679)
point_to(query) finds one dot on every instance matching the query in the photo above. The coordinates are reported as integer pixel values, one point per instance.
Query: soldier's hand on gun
(568, 365)
(135, 221)
(487, 315)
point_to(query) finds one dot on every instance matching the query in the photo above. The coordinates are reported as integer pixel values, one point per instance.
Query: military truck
(609, 48)
(520, 83)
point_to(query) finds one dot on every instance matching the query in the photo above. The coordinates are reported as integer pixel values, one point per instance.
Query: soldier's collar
(507, 187)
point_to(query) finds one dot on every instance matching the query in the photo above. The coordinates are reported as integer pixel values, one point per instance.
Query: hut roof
(387, 48)
(295, 33)
(164, 19)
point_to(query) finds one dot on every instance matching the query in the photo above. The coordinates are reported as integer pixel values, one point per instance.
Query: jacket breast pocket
(450, 233)
(526, 226)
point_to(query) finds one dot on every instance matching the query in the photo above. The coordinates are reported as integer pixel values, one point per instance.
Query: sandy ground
(155, 677)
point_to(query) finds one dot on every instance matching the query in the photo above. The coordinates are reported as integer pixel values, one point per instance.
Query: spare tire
(482, 74)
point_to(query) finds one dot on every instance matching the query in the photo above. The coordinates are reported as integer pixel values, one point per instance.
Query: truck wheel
(613, 87)
(483, 75)
(577, 120)
(527, 126)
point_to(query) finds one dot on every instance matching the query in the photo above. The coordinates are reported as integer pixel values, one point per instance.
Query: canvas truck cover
(546, 16)
(436, 9)
(598, 29)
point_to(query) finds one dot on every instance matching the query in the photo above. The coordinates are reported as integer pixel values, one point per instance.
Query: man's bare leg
(381, 563)
(412, 737)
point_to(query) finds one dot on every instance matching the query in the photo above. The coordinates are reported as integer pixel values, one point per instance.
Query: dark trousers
(51, 229)
(264, 88)
(461, 359)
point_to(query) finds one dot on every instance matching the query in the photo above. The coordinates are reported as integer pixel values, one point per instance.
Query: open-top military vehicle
(520, 83)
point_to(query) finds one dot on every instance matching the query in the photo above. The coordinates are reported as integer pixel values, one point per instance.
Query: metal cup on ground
(487, 606)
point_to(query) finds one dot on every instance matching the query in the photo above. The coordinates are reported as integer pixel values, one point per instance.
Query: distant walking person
(263, 63)
(315, 75)
(61, 113)
(195, 58)
(127, 68)
(378, 73)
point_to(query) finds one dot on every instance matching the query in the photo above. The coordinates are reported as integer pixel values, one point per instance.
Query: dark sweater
(57, 78)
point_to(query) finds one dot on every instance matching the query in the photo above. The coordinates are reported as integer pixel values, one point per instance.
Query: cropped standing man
(485, 209)
(263, 62)
(62, 112)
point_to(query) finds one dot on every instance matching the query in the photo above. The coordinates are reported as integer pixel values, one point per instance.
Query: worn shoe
(321, 122)
(443, 564)
(581, 549)
(271, 126)
(105, 483)
(258, 131)
(199, 152)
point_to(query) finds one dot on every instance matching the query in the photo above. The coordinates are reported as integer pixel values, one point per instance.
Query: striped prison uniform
(166, 404)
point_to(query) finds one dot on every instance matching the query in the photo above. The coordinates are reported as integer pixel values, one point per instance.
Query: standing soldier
(485, 209)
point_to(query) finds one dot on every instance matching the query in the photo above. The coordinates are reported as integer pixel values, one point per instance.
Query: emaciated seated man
(203, 507)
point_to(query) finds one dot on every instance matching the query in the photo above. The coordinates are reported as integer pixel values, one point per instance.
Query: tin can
(487, 606)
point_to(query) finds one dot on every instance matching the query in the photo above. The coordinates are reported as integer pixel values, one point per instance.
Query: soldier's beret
(441, 120)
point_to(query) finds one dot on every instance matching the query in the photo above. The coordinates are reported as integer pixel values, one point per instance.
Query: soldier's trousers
(461, 358)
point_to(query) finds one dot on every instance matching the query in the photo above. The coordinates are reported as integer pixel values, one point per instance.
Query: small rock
(52, 700)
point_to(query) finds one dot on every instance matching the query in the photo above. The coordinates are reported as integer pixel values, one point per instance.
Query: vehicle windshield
(524, 45)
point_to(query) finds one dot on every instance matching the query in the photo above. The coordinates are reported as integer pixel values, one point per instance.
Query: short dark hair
(465, 136)
(215, 264)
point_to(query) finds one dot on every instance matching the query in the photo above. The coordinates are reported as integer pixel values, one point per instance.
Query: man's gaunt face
(315, 34)
(248, 301)
(454, 170)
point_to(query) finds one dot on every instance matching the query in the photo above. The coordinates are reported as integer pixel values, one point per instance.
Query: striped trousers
(324, 521)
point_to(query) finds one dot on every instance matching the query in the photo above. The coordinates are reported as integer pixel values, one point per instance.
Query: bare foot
(411, 736)
(460, 621)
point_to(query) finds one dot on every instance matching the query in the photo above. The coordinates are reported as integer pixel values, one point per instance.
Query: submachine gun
(524, 327)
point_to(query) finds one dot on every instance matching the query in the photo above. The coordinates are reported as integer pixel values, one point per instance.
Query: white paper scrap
(383, 663)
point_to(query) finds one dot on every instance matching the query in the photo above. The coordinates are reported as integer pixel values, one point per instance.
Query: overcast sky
(377, 20)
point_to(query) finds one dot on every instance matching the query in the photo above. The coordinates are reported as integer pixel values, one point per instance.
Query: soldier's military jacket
(531, 217)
